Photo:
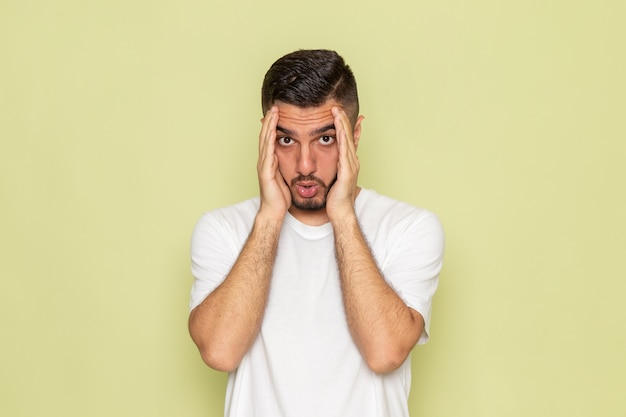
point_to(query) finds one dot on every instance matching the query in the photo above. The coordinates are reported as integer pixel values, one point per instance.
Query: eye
(327, 140)
(284, 141)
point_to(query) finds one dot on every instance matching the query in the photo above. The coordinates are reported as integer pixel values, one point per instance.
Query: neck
(310, 217)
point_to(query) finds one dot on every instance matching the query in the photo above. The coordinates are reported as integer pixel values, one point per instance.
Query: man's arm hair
(225, 325)
(383, 327)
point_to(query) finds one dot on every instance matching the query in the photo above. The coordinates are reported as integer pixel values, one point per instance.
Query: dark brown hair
(308, 78)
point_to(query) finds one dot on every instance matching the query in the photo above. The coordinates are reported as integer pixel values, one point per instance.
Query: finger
(267, 137)
(347, 148)
(269, 125)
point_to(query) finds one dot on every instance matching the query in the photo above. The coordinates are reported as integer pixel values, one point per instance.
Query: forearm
(226, 323)
(382, 326)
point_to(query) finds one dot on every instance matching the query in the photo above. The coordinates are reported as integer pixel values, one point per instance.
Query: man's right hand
(275, 194)
(225, 325)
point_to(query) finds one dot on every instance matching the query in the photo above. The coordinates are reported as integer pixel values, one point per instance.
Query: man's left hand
(343, 193)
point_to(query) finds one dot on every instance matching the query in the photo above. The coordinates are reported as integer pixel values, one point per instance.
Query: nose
(306, 163)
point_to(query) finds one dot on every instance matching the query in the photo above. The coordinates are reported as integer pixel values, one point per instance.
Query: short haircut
(308, 78)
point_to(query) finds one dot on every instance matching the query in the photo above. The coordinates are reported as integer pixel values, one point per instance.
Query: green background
(121, 122)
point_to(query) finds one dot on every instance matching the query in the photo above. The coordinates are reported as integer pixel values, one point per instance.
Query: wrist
(343, 218)
(269, 218)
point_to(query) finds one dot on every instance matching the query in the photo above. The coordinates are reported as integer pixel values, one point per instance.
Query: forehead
(290, 115)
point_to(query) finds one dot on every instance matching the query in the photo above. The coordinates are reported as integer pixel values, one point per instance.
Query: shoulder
(386, 222)
(235, 219)
(378, 208)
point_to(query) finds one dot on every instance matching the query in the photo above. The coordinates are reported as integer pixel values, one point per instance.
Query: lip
(307, 183)
(307, 189)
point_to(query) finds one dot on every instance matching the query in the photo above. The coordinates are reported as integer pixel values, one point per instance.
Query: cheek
(329, 158)
(327, 164)
(284, 163)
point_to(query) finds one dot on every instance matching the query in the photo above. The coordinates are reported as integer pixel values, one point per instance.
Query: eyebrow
(323, 129)
(315, 132)
(285, 131)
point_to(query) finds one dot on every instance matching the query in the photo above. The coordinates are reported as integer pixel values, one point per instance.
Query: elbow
(388, 354)
(386, 361)
(217, 354)
(391, 350)
(219, 359)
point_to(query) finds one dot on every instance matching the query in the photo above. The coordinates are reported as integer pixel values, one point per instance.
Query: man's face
(306, 147)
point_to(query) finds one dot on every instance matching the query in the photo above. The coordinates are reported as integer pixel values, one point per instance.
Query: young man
(313, 294)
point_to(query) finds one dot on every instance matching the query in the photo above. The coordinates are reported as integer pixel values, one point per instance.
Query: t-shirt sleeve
(415, 263)
(213, 253)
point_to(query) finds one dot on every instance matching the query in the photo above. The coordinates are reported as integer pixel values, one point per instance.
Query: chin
(308, 204)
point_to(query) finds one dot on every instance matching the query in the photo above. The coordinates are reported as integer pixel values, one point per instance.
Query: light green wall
(122, 121)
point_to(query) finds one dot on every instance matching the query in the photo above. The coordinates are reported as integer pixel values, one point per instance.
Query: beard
(310, 204)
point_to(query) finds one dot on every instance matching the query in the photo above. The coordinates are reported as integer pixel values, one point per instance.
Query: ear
(356, 133)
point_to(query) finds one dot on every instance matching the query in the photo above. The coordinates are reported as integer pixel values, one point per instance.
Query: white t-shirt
(304, 362)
